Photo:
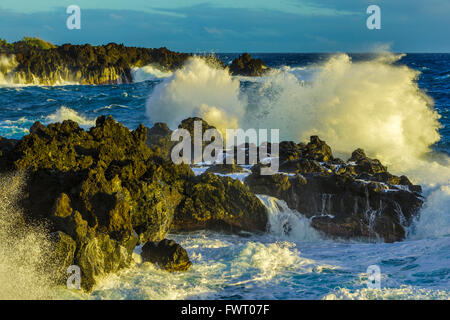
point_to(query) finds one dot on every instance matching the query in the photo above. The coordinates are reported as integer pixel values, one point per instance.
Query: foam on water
(26, 264)
(284, 222)
(224, 267)
(21, 126)
(65, 113)
(403, 293)
(375, 105)
(198, 89)
(149, 72)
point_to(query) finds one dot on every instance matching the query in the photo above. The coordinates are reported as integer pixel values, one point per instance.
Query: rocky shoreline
(34, 61)
(103, 191)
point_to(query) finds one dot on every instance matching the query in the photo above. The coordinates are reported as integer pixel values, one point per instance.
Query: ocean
(396, 107)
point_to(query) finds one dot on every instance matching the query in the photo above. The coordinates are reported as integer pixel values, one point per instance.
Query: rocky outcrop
(35, 61)
(225, 168)
(245, 65)
(358, 198)
(84, 64)
(103, 191)
(103, 188)
(167, 254)
(158, 140)
(219, 203)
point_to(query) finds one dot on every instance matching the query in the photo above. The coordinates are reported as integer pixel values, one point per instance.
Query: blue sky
(236, 25)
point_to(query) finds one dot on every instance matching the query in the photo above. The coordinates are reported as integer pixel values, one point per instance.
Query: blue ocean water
(302, 264)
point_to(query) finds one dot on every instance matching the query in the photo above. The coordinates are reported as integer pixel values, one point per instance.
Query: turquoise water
(302, 264)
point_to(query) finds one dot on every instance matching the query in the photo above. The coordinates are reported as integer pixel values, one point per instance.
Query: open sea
(396, 107)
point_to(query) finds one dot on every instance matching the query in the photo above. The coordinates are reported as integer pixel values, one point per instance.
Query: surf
(374, 104)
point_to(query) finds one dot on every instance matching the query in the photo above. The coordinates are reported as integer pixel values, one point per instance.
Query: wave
(224, 267)
(197, 89)
(375, 105)
(64, 113)
(149, 72)
(10, 78)
(12, 128)
(287, 223)
(26, 271)
(7, 65)
(403, 293)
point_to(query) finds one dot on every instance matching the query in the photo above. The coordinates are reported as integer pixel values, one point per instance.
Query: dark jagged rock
(104, 188)
(245, 65)
(302, 166)
(64, 248)
(289, 150)
(355, 199)
(167, 254)
(219, 203)
(363, 164)
(225, 168)
(189, 124)
(317, 150)
(6, 146)
(84, 64)
(158, 140)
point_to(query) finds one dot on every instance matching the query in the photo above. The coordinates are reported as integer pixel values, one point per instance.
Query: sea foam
(375, 105)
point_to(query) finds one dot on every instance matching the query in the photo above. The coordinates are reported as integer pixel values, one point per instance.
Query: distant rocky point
(39, 61)
(35, 61)
(245, 65)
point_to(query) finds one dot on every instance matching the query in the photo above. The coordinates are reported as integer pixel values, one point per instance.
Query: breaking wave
(375, 105)
(287, 223)
(65, 113)
(149, 72)
(26, 269)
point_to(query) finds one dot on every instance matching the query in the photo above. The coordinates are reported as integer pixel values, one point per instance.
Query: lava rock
(357, 199)
(245, 65)
(159, 140)
(365, 164)
(225, 168)
(317, 150)
(219, 203)
(167, 254)
(85, 64)
(104, 188)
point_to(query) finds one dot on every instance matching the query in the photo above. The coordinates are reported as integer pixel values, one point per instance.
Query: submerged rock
(167, 254)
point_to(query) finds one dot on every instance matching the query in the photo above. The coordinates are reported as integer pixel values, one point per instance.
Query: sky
(236, 25)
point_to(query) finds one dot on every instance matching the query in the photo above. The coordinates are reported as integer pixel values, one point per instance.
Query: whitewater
(395, 107)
